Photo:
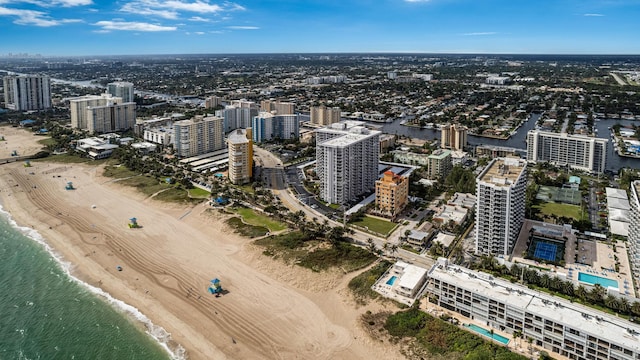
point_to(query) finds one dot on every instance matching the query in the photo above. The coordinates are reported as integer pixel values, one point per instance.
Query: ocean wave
(158, 333)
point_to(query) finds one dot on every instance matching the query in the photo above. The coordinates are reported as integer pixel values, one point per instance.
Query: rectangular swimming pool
(594, 279)
(488, 333)
(391, 280)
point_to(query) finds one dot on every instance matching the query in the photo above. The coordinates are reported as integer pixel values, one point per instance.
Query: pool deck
(386, 290)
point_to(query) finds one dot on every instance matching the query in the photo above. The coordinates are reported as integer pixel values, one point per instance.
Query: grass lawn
(374, 224)
(175, 195)
(551, 208)
(199, 193)
(118, 172)
(147, 184)
(65, 159)
(253, 218)
(246, 230)
(361, 284)
(247, 189)
(47, 141)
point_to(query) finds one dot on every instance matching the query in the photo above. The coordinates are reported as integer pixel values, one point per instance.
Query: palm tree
(611, 302)
(385, 247)
(394, 249)
(635, 308)
(597, 294)
(582, 293)
(545, 280)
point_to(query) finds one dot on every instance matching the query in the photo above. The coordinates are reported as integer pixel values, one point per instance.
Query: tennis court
(546, 251)
(561, 195)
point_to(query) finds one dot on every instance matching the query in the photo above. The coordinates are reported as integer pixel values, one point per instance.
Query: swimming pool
(392, 280)
(488, 333)
(594, 279)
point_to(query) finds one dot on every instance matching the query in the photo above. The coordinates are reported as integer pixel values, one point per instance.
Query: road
(274, 176)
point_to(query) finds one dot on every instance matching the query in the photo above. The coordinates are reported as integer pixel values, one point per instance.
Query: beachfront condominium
(392, 193)
(439, 164)
(634, 230)
(238, 116)
(199, 135)
(576, 151)
(240, 156)
(212, 102)
(346, 160)
(500, 196)
(278, 107)
(453, 136)
(121, 89)
(27, 92)
(102, 113)
(322, 115)
(557, 325)
(268, 126)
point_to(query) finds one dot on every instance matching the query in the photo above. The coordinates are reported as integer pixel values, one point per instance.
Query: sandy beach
(271, 310)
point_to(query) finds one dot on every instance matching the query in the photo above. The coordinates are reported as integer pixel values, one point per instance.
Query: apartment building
(27, 92)
(392, 193)
(322, 115)
(268, 126)
(555, 324)
(347, 160)
(102, 113)
(277, 107)
(199, 135)
(576, 151)
(439, 164)
(500, 194)
(237, 117)
(121, 89)
(212, 102)
(453, 137)
(240, 156)
(634, 230)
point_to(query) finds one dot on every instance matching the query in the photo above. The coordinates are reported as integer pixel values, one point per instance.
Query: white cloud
(243, 27)
(33, 17)
(135, 9)
(171, 9)
(597, 15)
(52, 3)
(199, 33)
(480, 33)
(198, 18)
(133, 26)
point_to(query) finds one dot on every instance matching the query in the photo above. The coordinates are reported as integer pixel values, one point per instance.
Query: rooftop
(440, 154)
(502, 171)
(579, 317)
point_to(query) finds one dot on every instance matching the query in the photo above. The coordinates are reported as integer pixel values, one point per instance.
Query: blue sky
(96, 27)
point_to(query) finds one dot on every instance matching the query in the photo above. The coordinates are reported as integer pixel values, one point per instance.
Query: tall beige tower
(322, 115)
(453, 137)
(240, 156)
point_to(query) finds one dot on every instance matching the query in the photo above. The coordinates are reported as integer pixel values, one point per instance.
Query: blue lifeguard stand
(215, 287)
(69, 186)
(133, 223)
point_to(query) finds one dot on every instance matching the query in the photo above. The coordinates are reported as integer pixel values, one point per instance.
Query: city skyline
(140, 27)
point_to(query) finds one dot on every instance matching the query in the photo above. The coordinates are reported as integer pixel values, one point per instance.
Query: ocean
(45, 313)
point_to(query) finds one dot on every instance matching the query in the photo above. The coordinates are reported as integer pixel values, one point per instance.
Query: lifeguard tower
(133, 223)
(69, 186)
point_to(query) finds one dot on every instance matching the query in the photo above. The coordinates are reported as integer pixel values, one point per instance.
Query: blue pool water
(392, 280)
(594, 279)
(488, 334)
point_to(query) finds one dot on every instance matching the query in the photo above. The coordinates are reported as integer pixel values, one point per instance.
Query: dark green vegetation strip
(247, 230)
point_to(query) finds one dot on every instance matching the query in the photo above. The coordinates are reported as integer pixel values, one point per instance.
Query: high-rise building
(392, 193)
(237, 117)
(500, 194)
(634, 230)
(453, 137)
(212, 102)
(121, 89)
(102, 113)
(240, 156)
(322, 115)
(277, 107)
(576, 151)
(439, 164)
(267, 126)
(347, 160)
(199, 135)
(27, 92)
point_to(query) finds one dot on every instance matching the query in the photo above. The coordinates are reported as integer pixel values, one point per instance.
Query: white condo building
(237, 117)
(577, 151)
(121, 89)
(267, 126)
(555, 324)
(199, 135)
(240, 156)
(634, 230)
(102, 113)
(500, 205)
(26, 92)
(347, 160)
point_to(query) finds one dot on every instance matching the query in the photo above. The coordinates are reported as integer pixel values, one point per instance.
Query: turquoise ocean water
(45, 313)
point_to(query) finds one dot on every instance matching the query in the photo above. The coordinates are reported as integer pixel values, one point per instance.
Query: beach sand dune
(270, 310)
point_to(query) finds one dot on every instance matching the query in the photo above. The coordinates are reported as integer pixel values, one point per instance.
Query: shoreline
(156, 333)
(272, 310)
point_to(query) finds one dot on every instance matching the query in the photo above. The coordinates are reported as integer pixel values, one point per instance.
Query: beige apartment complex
(392, 193)
(240, 156)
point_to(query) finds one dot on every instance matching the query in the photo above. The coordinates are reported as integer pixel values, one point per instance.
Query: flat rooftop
(502, 171)
(579, 317)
